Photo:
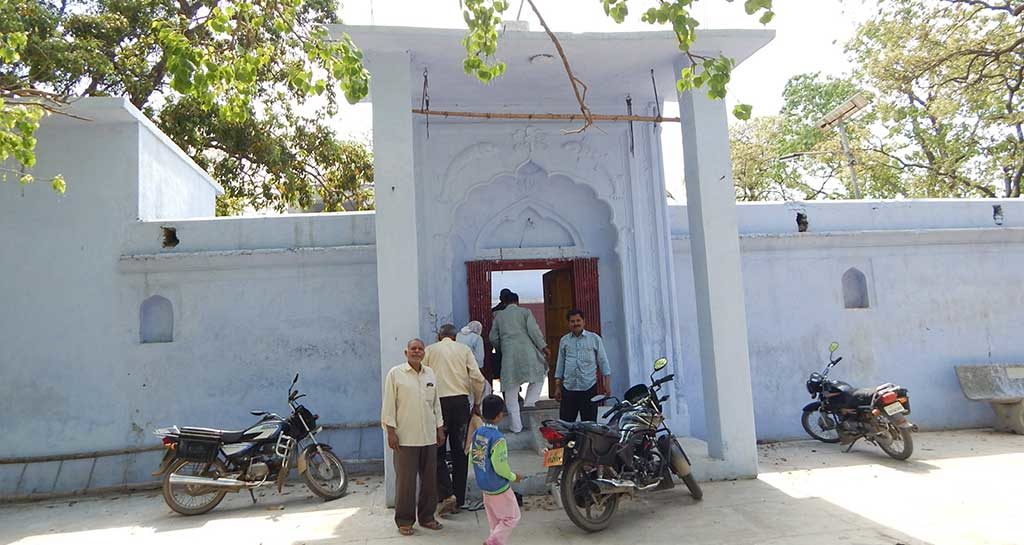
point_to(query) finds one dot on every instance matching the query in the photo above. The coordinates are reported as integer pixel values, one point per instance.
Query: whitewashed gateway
(124, 306)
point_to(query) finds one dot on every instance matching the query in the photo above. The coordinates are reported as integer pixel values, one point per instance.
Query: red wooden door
(586, 294)
(478, 278)
(558, 300)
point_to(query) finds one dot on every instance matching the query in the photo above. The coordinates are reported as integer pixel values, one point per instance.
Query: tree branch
(573, 80)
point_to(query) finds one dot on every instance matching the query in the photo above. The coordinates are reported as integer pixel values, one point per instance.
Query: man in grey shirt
(580, 356)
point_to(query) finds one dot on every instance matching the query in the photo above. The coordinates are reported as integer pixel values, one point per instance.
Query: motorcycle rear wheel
(325, 475)
(902, 445)
(578, 499)
(175, 496)
(810, 422)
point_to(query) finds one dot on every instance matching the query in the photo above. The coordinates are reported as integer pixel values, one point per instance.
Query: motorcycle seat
(225, 436)
(854, 397)
(591, 427)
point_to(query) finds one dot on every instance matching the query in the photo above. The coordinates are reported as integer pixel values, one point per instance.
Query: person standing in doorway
(411, 414)
(523, 357)
(580, 355)
(469, 335)
(458, 382)
(504, 298)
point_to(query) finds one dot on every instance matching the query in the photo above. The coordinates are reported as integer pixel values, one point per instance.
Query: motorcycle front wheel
(682, 468)
(586, 508)
(325, 475)
(812, 422)
(190, 499)
(901, 444)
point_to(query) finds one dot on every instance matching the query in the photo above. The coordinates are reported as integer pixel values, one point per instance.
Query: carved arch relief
(481, 163)
(527, 224)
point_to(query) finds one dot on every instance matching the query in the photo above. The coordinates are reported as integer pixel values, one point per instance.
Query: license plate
(553, 457)
(894, 408)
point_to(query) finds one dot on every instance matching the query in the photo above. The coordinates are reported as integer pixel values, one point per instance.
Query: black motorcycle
(844, 414)
(201, 465)
(591, 465)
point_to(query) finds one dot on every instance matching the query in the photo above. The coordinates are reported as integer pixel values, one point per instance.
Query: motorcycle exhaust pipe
(614, 486)
(233, 485)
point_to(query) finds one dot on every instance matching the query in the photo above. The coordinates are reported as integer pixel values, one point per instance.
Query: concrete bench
(1001, 385)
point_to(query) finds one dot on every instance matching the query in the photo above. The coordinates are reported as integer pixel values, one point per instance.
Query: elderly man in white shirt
(411, 414)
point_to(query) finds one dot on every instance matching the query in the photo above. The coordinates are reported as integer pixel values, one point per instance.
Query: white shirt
(411, 405)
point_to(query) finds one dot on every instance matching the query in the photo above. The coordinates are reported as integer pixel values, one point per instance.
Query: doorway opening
(549, 288)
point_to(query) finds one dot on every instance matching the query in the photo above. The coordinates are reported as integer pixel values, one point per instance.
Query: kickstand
(848, 449)
(252, 495)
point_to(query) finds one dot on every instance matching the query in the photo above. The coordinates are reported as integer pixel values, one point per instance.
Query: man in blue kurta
(580, 356)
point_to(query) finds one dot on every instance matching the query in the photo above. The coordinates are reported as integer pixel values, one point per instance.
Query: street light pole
(850, 161)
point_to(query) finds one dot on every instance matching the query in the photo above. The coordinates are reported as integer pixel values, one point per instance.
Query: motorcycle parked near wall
(201, 465)
(591, 465)
(846, 414)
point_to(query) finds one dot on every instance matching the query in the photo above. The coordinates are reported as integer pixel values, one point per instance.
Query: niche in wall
(156, 320)
(855, 289)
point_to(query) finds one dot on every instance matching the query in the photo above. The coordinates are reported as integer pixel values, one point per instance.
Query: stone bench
(1001, 385)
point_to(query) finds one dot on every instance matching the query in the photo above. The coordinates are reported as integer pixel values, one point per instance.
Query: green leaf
(58, 184)
(742, 111)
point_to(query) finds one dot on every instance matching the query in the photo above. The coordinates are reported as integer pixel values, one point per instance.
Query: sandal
(432, 525)
(405, 530)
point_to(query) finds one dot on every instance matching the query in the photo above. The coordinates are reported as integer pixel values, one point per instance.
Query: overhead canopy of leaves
(483, 18)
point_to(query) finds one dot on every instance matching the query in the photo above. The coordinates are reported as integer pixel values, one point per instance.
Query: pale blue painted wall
(256, 299)
(942, 294)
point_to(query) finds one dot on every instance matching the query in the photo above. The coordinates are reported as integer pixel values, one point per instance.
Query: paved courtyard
(960, 487)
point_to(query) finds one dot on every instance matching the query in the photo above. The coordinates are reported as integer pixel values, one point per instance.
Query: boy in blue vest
(493, 474)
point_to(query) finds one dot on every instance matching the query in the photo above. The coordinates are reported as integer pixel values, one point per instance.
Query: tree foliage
(222, 79)
(949, 76)
(945, 118)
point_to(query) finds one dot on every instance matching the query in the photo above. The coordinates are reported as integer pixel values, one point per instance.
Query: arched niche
(855, 289)
(156, 320)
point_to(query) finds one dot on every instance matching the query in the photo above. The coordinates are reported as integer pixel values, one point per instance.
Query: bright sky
(809, 38)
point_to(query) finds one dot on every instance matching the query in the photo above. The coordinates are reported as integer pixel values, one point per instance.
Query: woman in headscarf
(470, 336)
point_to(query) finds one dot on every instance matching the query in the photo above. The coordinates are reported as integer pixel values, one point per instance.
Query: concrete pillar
(721, 313)
(395, 197)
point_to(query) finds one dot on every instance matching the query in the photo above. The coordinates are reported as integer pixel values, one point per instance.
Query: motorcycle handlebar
(663, 380)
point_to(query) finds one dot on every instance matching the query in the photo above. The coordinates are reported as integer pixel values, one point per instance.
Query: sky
(810, 35)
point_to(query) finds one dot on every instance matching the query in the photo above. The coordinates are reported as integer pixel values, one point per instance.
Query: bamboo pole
(570, 117)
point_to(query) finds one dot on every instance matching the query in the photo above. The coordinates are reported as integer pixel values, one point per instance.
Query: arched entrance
(532, 220)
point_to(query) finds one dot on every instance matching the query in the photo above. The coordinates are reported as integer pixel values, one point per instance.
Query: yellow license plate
(553, 457)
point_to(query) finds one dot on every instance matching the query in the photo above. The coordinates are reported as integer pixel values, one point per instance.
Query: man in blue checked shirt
(580, 355)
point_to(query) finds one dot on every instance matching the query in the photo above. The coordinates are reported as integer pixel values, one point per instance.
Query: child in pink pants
(493, 474)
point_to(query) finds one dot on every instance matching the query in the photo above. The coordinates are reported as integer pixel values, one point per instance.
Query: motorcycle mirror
(833, 347)
(660, 363)
(296, 379)
(598, 399)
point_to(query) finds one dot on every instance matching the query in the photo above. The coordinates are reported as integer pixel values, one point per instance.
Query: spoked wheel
(586, 508)
(899, 444)
(192, 499)
(325, 474)
(821, 426)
